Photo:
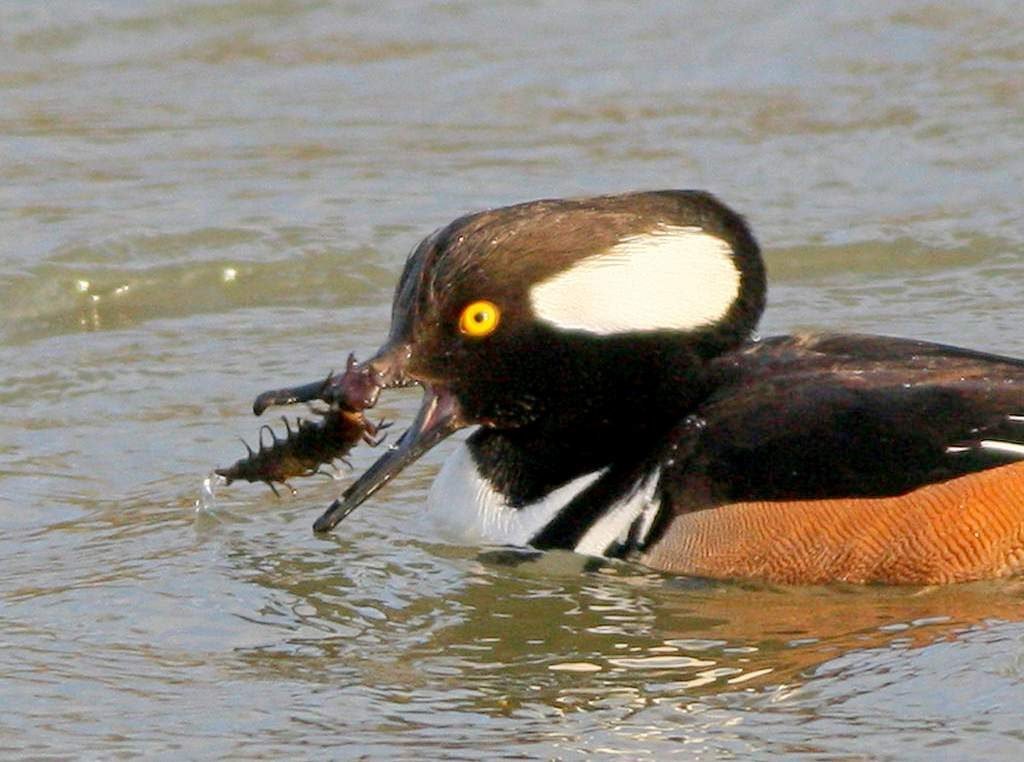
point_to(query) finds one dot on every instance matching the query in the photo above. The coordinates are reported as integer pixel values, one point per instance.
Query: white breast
(466, 508)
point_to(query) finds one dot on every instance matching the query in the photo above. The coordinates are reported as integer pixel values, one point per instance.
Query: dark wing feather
(811, 417)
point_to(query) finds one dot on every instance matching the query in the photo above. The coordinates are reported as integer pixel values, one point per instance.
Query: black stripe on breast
(592, 505)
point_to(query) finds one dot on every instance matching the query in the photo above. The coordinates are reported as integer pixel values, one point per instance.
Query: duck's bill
(439, 417)
(355, 389)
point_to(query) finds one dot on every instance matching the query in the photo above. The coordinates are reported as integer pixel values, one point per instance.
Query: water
(201, 200)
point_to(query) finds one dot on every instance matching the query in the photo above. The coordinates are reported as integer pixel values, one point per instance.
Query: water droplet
(207, 499)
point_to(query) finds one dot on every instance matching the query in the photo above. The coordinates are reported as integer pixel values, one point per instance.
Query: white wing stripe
(614, 525)
(1009, 448)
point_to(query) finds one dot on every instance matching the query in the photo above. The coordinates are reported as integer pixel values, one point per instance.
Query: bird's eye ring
(479, 318)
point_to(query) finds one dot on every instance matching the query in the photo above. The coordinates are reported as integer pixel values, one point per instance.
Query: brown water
(204, 199)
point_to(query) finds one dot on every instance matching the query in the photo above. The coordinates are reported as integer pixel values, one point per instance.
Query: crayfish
(311, 444)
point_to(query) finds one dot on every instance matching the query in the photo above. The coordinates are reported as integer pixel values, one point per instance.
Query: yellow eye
(479, 318)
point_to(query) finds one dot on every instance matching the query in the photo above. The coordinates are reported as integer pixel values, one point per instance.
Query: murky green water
(204, 199)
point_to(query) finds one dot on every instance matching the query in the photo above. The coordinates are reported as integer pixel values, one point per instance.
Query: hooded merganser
(604, 349)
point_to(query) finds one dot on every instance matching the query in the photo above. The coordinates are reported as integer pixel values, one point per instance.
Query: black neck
(526, 463)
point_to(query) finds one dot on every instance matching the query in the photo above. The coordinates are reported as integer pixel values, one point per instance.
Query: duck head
(564, 319)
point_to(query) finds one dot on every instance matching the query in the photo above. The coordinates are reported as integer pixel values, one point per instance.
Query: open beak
(439, 416)
(357, 389)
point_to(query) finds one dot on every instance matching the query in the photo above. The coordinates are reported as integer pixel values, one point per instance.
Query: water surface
(201, 200)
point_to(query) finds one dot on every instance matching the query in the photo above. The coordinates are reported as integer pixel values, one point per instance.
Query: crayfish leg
(273, 436)
(372, 429)
(287, 426)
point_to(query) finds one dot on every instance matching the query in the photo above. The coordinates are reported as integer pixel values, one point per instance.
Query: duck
(602, 354)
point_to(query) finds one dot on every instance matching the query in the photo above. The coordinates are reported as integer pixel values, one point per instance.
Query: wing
(828, 416)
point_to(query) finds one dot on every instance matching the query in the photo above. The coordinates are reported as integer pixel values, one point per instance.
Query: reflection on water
(207, 198)
(616, 652)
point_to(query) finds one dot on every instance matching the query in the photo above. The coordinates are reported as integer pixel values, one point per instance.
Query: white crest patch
(671, 278)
